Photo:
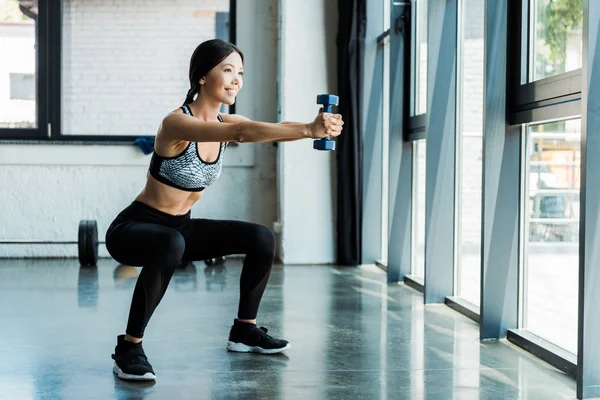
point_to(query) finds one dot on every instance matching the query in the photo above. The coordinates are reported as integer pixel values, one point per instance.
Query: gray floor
(353, 337)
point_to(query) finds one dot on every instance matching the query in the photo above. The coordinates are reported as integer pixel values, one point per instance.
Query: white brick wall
(125, 62)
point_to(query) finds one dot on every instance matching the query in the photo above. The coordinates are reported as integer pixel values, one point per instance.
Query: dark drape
(351, 35)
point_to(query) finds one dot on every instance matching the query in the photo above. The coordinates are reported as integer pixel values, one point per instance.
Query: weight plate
(88, 242)
(82, 243)
(92, 242)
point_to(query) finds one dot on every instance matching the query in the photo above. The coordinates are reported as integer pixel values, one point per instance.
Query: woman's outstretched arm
(239, 118)
(184, 127)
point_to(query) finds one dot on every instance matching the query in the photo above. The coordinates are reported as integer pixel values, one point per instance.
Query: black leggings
(159, 242)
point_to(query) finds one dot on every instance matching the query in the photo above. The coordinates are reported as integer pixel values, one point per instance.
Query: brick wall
(125, 63)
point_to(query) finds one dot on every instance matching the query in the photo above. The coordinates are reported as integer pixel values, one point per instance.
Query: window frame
(531, 101)
(417, 123)
(42, 25)
(49, 80)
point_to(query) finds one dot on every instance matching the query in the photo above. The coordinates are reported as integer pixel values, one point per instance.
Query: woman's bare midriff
(167, 199)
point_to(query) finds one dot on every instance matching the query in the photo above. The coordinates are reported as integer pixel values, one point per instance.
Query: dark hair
(206, 56)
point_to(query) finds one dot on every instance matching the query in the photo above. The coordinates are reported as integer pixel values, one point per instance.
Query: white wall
(46, 189)
(257, 39)
(306, 176)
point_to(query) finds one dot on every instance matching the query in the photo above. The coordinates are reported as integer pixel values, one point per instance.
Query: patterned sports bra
(187, 171)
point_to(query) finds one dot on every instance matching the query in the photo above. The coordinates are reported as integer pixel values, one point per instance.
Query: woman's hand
(326, 124)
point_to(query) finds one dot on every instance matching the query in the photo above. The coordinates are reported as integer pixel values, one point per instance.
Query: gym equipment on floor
(88, 243)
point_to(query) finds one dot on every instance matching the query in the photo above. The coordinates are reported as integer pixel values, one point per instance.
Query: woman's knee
(170, 247)
(263, 239)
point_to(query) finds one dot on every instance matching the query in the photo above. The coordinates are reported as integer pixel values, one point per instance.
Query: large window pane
(18, 62)
(419, 64)
(125, 64)
(552, 221)
(557, 36)
(469, 159)
(418, 218)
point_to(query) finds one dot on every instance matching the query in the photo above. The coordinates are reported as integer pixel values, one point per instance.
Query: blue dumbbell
(328, 101)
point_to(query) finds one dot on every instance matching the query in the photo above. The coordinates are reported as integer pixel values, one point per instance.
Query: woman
(156, 231)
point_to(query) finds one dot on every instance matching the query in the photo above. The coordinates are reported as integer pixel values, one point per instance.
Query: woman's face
(224, 81)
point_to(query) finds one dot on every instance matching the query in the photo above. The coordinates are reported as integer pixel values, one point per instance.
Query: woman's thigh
(140, 243)
(207, 238)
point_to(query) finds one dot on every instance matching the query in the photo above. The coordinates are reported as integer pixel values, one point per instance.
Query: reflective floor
(353, 337)
(552, 293)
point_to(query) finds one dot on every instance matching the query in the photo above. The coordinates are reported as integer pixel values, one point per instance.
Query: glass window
(556, 36)
(419, 66)
(469, 150)
(418, 217)
(120, 74)
(22, 87)
(551, 258)
(18, 52)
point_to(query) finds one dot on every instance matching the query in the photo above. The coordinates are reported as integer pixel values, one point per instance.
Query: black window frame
(552, 98)
(417, 124)
(557, 97)
(42, 25)
(49, 80)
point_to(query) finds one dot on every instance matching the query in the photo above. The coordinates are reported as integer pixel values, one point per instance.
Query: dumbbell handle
(327, 108)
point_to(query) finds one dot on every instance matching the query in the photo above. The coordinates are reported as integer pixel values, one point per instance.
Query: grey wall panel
(372, 98)
(441, 133)
(400, 155)
(501, 154)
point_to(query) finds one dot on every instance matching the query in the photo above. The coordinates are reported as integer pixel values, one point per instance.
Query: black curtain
(350, 44)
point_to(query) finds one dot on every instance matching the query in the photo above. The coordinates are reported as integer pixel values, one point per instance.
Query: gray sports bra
(187, 171)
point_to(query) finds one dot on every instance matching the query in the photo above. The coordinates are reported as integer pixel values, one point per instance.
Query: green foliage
(556, 19)
(9, 11)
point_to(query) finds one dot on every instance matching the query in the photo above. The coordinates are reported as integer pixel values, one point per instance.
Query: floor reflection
(87, 287)
(215, 278)
(352, 335)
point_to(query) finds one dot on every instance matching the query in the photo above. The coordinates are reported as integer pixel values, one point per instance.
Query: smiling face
(224, 81)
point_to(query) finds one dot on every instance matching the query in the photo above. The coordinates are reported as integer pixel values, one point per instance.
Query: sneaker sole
(148, 376)
(242, 348)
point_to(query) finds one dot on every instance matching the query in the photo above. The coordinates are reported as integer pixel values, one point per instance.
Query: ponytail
(191, 93)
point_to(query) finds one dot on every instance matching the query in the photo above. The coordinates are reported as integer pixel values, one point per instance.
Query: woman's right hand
(326, 124)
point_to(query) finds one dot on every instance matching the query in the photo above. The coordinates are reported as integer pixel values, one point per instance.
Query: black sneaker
(248, 338)
(131, 362)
